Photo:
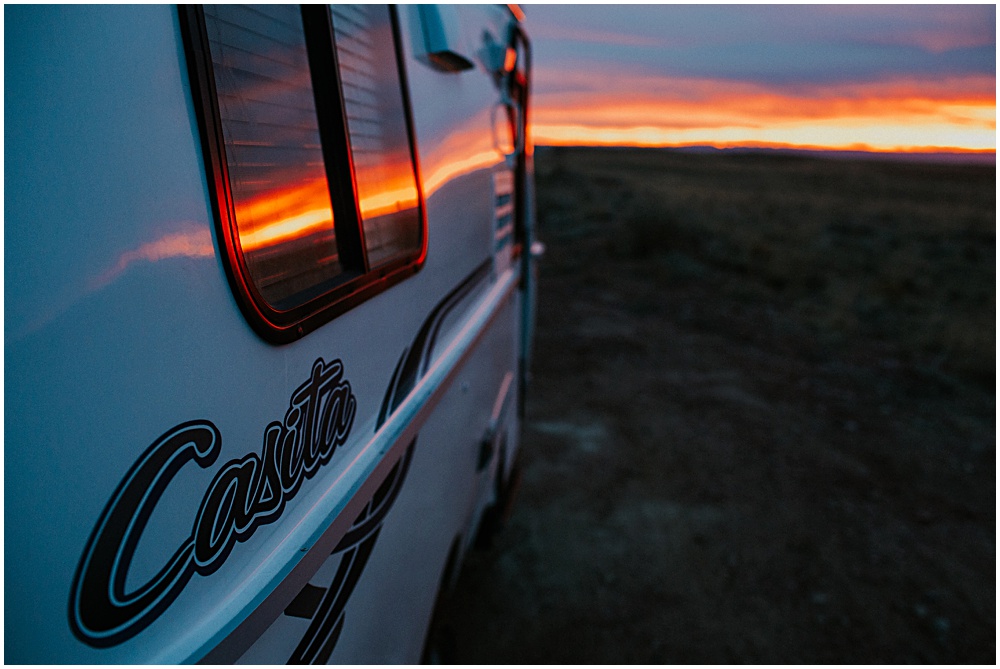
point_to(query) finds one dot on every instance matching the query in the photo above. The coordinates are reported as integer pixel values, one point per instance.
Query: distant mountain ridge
(940, 157)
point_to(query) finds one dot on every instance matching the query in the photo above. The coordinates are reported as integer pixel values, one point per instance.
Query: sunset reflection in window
(277, 177)
(376, 123)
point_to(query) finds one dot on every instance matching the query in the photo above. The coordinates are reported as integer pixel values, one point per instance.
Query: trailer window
(373, 103)
(283, 212)
(308, 140)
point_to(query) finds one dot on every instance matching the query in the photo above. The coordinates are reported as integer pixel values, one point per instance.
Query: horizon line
(953, 154)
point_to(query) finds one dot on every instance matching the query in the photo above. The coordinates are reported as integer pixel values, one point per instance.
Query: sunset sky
(886, 78)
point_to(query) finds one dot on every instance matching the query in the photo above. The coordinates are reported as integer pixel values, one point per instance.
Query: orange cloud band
(652, 111)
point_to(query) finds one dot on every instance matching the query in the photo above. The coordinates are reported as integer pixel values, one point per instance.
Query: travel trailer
(269, 303)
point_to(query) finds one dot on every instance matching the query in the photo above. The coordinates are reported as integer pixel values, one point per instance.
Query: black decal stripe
(384, 411)
(307, 647)
(331, 642)
(306, 602)
(458, 294)
(321, 637)
(415, 360)
(373, 515)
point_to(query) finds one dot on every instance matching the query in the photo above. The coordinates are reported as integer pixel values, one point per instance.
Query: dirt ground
(762, 420)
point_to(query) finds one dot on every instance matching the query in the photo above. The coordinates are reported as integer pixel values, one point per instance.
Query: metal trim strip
(284, 575)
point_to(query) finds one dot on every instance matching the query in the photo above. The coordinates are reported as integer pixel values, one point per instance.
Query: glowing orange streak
(509, 60)
(293, 212)
(298, 211)
(894, 115)
(466, 149)
(287, 229)
(284, 214)
(194, 243)
(885, 138)
(860, 146)
(457, 168)
(388, 202)
(636, 100)
(759, 109)
(273, 202)
(386, 185)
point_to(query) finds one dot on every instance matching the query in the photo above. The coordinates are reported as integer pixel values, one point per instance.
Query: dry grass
(761, 425)
(902, 253)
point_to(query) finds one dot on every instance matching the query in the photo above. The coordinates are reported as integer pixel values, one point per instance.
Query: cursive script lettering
(245, 494)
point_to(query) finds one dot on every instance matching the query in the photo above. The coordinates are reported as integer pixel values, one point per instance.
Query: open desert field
(762, 421)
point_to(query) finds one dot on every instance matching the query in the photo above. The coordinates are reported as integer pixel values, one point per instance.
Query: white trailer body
(269, 293)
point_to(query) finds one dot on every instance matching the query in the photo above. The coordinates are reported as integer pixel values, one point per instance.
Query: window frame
(359, 282)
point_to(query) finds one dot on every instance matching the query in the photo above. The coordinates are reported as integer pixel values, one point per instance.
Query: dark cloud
(775, 45)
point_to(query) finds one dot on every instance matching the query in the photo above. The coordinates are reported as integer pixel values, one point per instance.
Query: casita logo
(245, 494)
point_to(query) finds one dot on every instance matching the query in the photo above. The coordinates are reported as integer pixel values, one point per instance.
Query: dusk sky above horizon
(885, 78)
